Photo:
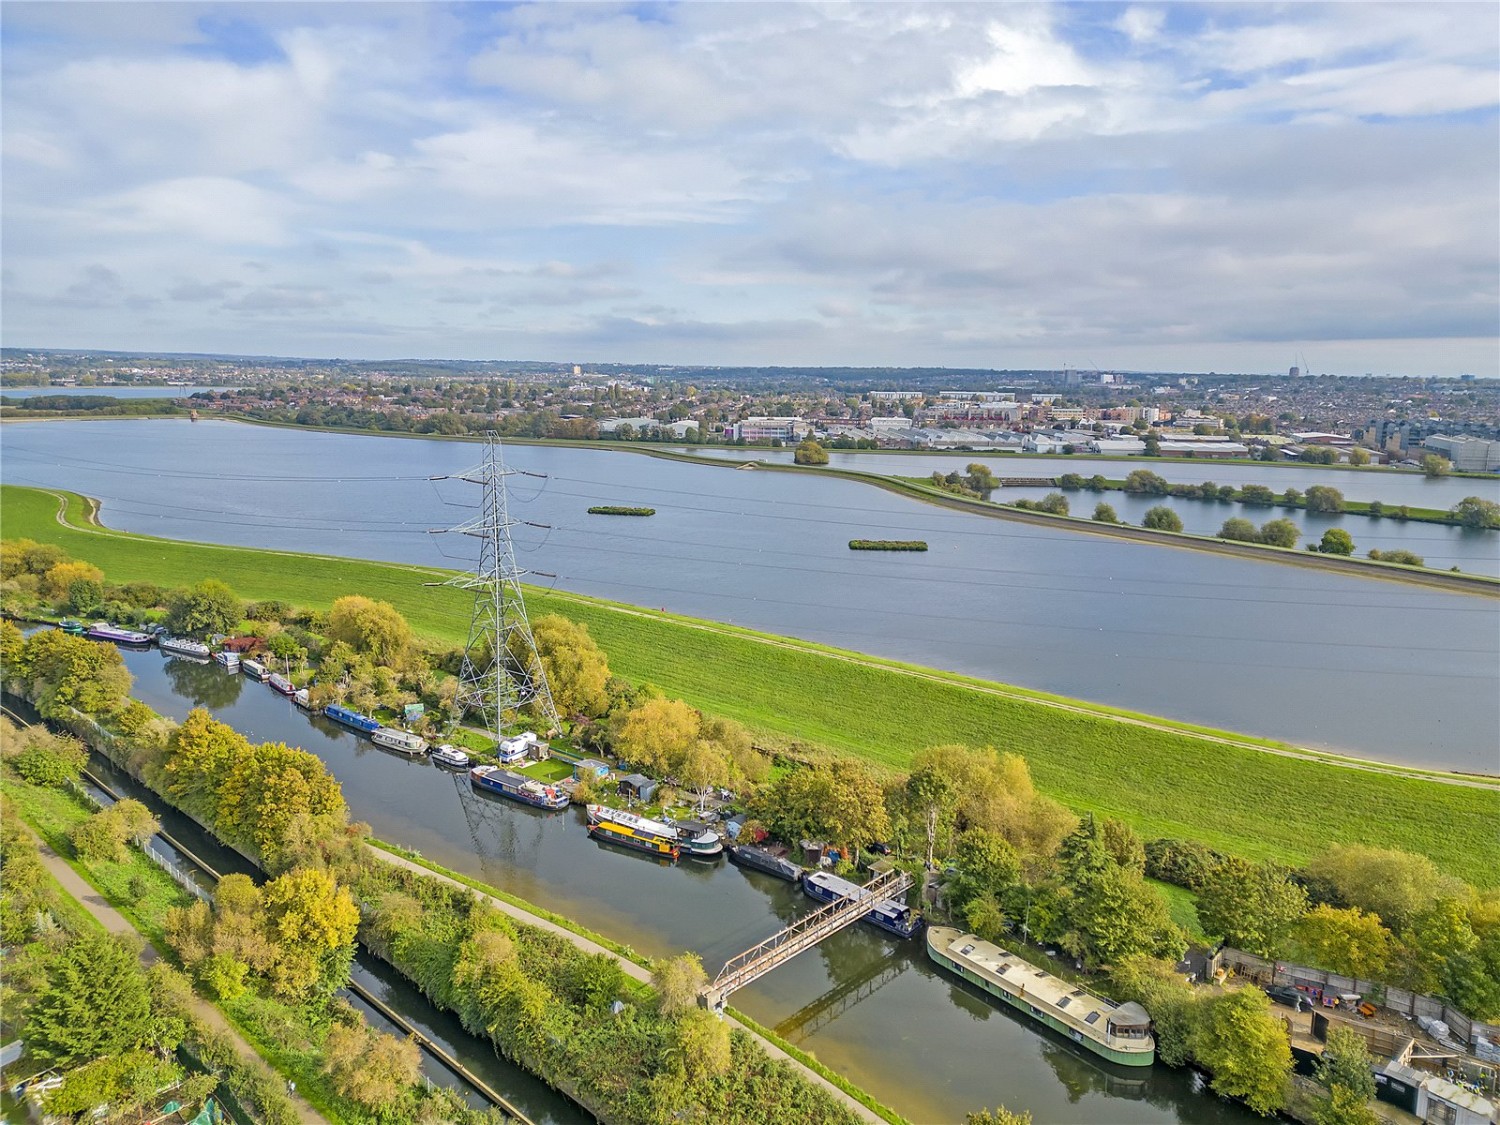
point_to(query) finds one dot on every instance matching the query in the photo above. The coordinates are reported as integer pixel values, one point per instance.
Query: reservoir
(874, 1009)
(1371, 668)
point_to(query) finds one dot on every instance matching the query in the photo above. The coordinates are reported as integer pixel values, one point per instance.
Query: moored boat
(518, 787)
(282, 684)
(401, 741)
(895, 918)
(448, 755)
(698, 839)
(254, 669)
(230, 660)
(628, 837)
(72, 626)
(352, 719)
(303, 698)
(758, 859)
(104, 631)
(1120, 1033)
(182, 646)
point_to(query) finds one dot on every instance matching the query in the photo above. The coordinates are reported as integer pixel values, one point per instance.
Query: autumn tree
(1251, 906)
(1160, 989)
(58, 580)
(104, 835)
(373, 1069)
(1394, 884)
(312, 921)
(63, 673)
(1336, 541)
(1345, 941)
(1245, 1048)
(810, 452)
(201, 753)
(374, 629)
(678, 981)
(574, 665)
(840, 801)
(268, 787)
(658, 734)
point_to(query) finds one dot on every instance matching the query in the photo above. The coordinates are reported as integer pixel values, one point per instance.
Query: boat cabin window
(1127, 1031)
(1091, 1017)
(1003, 969)
(966, 950)
(1065, 1001)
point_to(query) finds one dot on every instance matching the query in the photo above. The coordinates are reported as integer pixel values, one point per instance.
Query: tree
(312, 921)
(284, 647)
(658, 734)
(58, 580)
(1162, 518)
(1153, 444)
(103, 836)
(930, 799)
(205, 608)
(1280, 533)
(1392, 884)
(1174, 1008)
(678, 982)
(95, 1002)
(371, 628)
(1291, 498)
(1358, 457)
(1144, 480)
(1321, 498)
(200, 753)
(1112, 912)
(1336, 541)
(810, 452)
(64, 672)
(268, 788)
(1240, 530)
(574, 665)
(1054, 502)
(1251, 906)
(1257, 494)
(1103, 513)
(371, 1068)
(1475, 511)
(1435, 466)
(51, 760)
(1346, 1071)
(839, 801)
(1345, 941)
(1245, 1048)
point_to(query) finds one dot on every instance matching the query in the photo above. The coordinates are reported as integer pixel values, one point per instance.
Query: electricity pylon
(499, 672)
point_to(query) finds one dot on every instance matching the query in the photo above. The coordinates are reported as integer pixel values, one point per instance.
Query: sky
(1227, 187)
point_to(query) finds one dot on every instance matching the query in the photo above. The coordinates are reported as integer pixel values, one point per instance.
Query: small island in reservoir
(887, 545)
(611, 510)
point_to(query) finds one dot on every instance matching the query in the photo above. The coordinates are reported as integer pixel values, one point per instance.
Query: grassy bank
(1166, 779)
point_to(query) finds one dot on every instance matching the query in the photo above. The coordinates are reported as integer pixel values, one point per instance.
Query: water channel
(872, 1008)
(1367, 667)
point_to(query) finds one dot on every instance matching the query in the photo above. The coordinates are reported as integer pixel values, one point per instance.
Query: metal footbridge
(802, 935)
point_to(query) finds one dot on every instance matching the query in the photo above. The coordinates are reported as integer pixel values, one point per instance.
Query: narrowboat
(1120, 1033)
(518, 787)
(104, 631)
(352, 719)
(281, 684)
(401, 741)
(182, 646)
(616, 826)
(72, 626)
(895, 918)
(254, 669)
(448, 755)
(230, 660)
(758, 859)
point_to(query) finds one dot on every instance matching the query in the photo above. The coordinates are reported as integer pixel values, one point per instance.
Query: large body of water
(871, 1007)
(1368, 667)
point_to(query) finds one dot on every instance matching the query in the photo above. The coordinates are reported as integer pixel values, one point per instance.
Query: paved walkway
(631, 969)
(116, 923)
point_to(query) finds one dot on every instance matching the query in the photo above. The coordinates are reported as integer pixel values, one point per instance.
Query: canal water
(1371, 668)
(872, 1008)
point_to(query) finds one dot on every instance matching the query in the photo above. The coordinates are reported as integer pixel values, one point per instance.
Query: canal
(1319, 659)
(872, 1008)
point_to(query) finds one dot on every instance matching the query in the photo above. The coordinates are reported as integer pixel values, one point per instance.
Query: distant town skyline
(1134, 186)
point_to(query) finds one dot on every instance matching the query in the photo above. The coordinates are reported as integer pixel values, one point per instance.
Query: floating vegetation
(611, 510)
(887, 545)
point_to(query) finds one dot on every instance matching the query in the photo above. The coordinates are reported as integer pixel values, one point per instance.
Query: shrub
(53, 761)
(1239, 530)
(1104, 513)
(1161, 518)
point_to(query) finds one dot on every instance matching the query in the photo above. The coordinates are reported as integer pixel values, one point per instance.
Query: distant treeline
(85, 404)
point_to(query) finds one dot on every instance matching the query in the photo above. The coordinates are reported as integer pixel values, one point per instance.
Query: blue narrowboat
(518, 787)
(352, 719)
(895, 918)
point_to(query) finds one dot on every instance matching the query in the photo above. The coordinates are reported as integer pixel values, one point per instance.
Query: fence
(1397, 1000)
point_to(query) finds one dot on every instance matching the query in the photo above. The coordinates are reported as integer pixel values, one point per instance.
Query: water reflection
(203, 682)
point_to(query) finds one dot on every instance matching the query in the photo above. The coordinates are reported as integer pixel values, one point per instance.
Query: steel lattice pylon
(492, 681)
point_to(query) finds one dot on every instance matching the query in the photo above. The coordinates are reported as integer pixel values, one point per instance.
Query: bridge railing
(802, 934)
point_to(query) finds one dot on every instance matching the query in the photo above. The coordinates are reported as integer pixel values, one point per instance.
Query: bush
(1239, 530)
(1104, 513)
(1280, 533)
(1161, 518)
(1404, 558)
(1184, 863)
(1054, 503)
(53, 761)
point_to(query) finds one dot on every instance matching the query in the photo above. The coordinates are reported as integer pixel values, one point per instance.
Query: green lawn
(1183, 905)
(792, 693)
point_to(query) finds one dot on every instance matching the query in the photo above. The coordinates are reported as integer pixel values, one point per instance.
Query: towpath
(631, 969)
(116, 923)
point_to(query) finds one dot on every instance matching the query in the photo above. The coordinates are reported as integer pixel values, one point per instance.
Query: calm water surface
(1369, 667)
(875, 1009)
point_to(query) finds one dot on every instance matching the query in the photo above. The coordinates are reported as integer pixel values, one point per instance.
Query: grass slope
(1164, 782)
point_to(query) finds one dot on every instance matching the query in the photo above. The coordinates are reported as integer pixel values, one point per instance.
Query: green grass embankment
(1249, 796)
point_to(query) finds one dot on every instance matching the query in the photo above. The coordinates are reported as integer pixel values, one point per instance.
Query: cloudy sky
(1225, 187)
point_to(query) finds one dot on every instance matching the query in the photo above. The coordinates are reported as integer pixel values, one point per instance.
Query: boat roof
(1040, 985)
(835, 883)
